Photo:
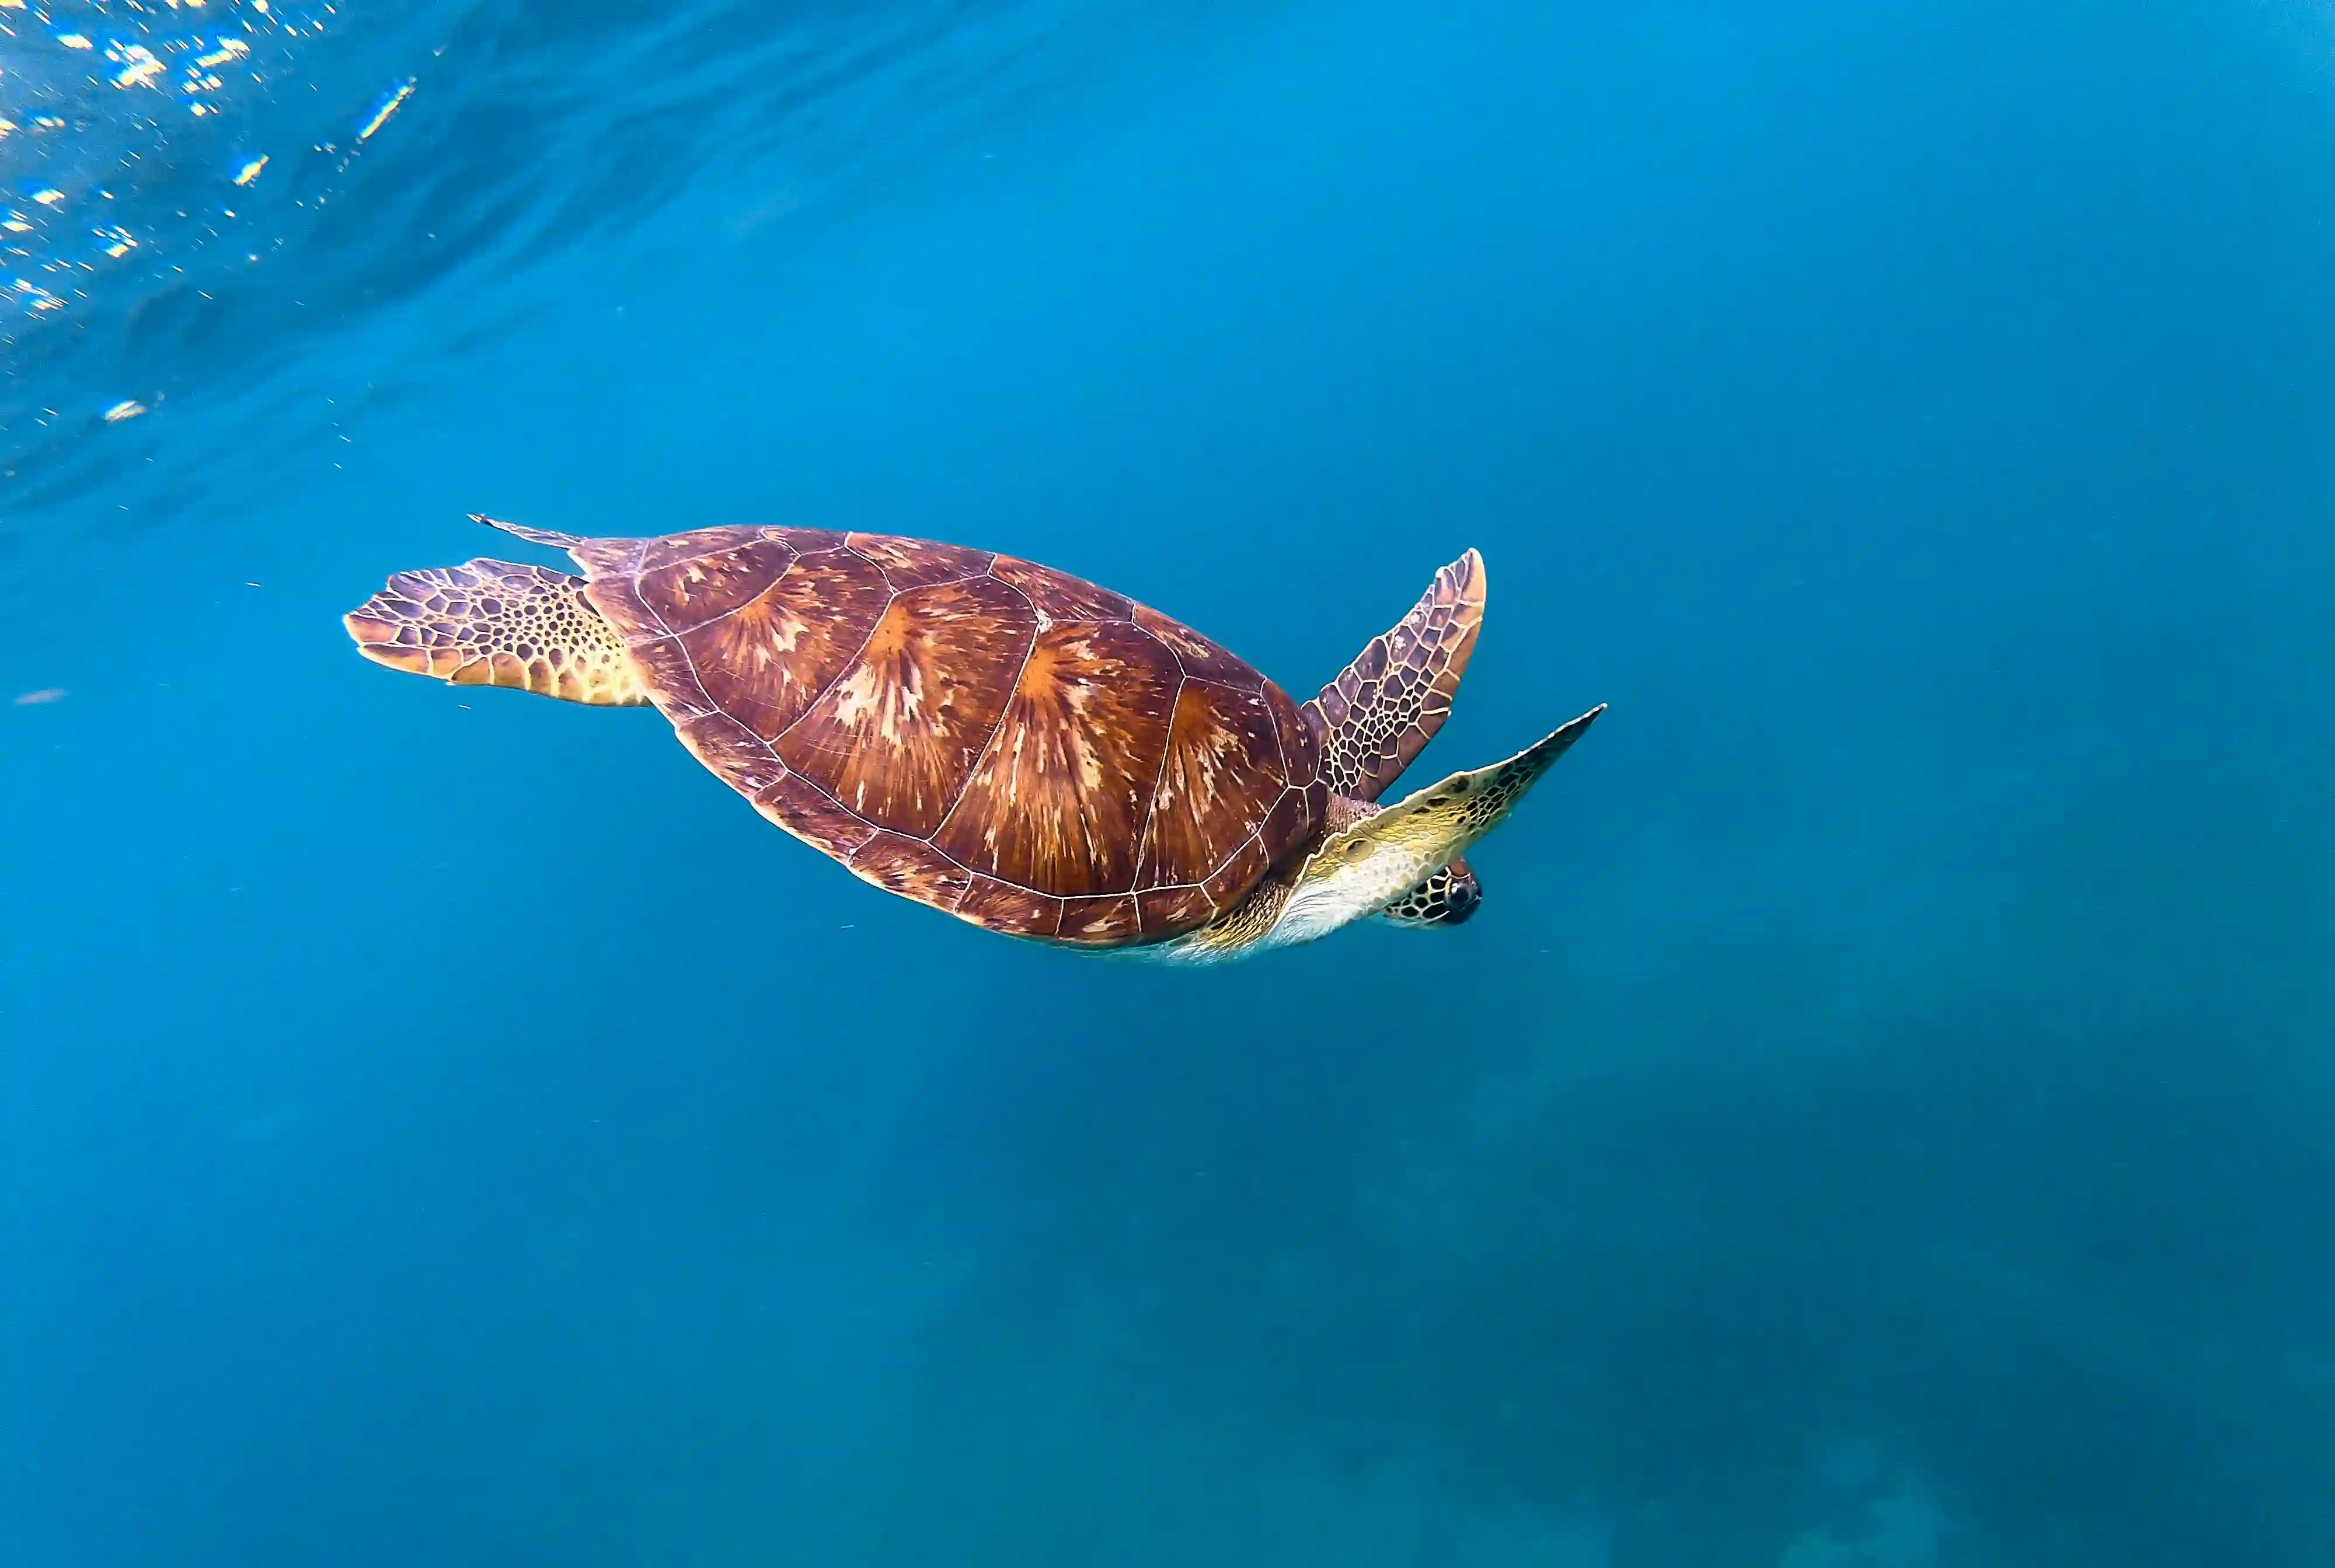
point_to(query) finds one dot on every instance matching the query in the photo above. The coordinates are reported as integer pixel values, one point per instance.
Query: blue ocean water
(1879, 1120)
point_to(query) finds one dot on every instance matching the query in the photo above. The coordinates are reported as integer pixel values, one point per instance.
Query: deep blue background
(1879, 1119)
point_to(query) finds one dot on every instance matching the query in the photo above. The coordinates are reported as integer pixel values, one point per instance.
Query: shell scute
(812, 541)
(895, 736)
(1002, 907)
(910, 867)
(735, 754)
(1060, 597)
(1221, 774)
(797, 805)
(1109, 922)
(1201, 659)
(599, 558)
(1301, 748)
(669, 550)
(671, 680)
(1057, 802)
(1247, 866)
(1173, 908)
(687, 594)
(919, 563)
(767, 661)
(1292, 820)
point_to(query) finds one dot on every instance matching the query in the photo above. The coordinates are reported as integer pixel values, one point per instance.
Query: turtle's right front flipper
(497, 623)
(1384, 708)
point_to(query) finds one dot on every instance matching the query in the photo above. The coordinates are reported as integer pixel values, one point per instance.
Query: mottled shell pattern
(987, 735)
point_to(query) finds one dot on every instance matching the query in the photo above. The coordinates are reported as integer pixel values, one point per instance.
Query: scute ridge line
(1166, 749)
(848, 665)
(719, 616)
(1038, 623)
(687, 657)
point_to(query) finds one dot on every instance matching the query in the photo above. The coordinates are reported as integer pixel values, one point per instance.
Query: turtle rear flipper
(497, 623)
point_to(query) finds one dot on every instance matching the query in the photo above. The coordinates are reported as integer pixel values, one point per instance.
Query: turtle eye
(1461, 899)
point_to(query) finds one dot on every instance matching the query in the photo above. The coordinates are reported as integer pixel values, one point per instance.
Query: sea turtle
(997, 739)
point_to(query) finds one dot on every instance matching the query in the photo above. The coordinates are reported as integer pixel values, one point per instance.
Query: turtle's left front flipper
(1399, 847)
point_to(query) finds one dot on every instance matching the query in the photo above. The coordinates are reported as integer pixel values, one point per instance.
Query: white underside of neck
(1323, 902)
(1318, 907)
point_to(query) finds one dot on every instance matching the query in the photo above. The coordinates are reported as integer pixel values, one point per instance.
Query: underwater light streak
(381, 116)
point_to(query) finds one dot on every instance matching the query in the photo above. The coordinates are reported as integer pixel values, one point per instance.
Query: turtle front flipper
(1384, 708)
(498, 623)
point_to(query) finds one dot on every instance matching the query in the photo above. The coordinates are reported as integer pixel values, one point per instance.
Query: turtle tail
(498, 623)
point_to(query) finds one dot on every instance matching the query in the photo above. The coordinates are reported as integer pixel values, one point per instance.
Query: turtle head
(1448, 898)
(1391, 856)
(1402, 860)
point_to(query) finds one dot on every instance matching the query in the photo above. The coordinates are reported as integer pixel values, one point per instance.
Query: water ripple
(197, 189)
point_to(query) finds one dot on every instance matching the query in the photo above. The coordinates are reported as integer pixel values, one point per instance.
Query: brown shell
(989, 736)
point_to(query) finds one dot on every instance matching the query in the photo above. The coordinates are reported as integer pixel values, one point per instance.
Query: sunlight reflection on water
(194, 190)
